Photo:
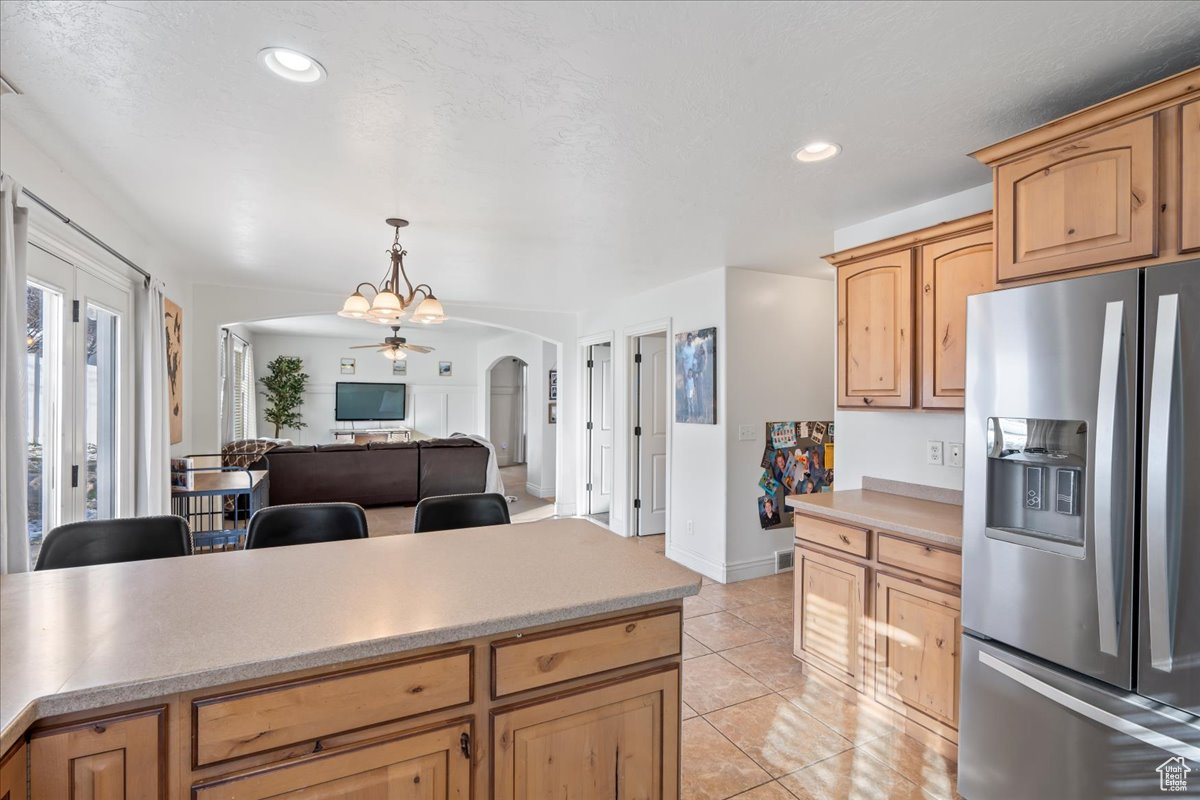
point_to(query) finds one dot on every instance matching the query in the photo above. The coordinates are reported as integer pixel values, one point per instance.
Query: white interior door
(600, 433)
(652, 387)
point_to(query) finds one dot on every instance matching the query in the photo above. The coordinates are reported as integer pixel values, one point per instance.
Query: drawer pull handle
(317, 746)
(631, 627)
(99, 728)
(845, 539)
(464, 744)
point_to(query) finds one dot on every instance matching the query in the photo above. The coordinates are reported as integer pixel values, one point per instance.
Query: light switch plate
(933, 452)
(746, 433)
(954, 450)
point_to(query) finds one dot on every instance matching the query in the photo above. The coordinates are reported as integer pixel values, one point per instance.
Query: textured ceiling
(553, 155)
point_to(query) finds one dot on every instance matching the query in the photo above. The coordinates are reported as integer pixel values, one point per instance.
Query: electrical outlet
(933, 452)
(955, 450)
(691, 528)
(746, 433)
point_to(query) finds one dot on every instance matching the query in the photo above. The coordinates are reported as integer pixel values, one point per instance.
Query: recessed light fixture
(291, 65)
(817, 151)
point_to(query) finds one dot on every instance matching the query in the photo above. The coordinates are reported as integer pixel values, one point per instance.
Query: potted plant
(285, 392)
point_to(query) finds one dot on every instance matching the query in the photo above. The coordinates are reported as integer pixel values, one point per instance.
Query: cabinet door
(12, 773)
(618, 740)
(875, 332)
(120, 758)
(430, 765)
(951, 271)
(1087, 202)
(917, 652)
(1189, 190)
(830, 629)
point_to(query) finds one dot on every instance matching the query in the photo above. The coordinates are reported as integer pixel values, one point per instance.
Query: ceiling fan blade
(362, 346)
(418, 348)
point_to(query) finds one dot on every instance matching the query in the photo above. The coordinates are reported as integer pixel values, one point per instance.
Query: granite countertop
(85, 638)
(939, 523)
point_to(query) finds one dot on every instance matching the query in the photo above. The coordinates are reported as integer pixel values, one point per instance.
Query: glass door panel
(43, 340)
(100, 399)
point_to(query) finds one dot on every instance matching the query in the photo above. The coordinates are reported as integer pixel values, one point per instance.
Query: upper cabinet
(875, 332)
(1113, 186)
(880, 320)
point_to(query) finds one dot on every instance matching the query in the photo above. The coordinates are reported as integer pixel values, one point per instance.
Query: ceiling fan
(393, 347)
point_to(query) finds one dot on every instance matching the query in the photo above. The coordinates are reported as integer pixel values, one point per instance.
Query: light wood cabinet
(117, 758)
(829, 615)
(917, 651)
(432, 765)
(618, 740)
(1189, 191)
(1088, 201)
(951, 271)
(13, 782)
(875, 332)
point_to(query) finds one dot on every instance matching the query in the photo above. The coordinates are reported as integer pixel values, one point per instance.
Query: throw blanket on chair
(244, 453)
(494, 482)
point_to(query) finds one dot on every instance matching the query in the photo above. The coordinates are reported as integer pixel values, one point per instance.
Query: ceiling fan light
(395, 354)
(355, 307)
(430, 312)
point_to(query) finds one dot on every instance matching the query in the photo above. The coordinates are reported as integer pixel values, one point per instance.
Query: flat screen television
(361, 402)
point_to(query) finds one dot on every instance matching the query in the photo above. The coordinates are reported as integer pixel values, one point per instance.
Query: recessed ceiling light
(291, 65)
(817, 151)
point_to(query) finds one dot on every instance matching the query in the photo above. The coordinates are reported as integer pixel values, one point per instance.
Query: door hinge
(591, 363)
(637, 503)
(74, 476)
(74, 311)
(464, 744)
(637, 431)
(589, 487)
(589, 427)
(637, 358)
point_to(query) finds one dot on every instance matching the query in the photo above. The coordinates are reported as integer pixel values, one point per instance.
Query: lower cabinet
(917, 652)
(618, 740)
(12, 773)
(118, 758)
(433, 765)
(830, 615)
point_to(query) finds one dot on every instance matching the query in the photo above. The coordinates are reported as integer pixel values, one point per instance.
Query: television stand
(367, 435)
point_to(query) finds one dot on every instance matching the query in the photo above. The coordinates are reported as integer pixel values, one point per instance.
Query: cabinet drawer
(528, 662)
(922, 558)
(261, 719)
(831, 534)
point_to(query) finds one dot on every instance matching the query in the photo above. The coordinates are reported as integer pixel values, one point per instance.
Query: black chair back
(460, 511)
(306, 523)
(110, 541)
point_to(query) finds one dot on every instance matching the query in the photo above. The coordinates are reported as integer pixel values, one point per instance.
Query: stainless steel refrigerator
(1081, 539)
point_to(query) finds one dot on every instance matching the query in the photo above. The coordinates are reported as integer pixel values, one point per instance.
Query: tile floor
(758, 725)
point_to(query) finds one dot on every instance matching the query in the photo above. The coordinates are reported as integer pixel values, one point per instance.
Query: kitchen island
(490, 662)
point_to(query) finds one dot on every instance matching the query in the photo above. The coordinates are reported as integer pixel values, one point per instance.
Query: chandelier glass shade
(395, 295)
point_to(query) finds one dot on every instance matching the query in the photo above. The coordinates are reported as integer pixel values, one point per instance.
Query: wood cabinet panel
(430, 765)
(1086, 202)
(951, 271)
(118, 758)
(13, 780)
(917, 652)
(830, 624)
(832, 534)
(875, 332)
(1189, 188)
(922, 558)
(261, 719)
(618, 740)
(528, 662)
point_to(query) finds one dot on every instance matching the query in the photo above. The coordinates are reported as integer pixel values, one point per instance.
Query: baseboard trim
(540, 492)
(695, 562)
(751, 568)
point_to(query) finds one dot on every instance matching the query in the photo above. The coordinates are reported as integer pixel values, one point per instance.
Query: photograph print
(695, 376)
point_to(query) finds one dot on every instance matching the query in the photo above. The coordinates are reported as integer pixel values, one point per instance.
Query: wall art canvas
(797, 459)
(348, 366)
(695, 376)
(173, 319)
(445, 369)
(400, 367)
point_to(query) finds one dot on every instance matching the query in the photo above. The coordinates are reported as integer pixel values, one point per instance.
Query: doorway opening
(599, 425)
(508, 381)
(649, 379)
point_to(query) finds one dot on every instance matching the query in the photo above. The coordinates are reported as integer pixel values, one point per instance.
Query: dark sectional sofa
(376, 474)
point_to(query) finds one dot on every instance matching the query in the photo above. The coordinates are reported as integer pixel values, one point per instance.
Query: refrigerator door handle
(1106, 718)
(1112, 354)
(1162, 526)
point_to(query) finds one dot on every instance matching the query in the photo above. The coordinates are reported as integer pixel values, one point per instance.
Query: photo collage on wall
(797, 459)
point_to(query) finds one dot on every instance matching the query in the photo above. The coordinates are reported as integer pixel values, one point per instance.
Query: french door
(79, 399)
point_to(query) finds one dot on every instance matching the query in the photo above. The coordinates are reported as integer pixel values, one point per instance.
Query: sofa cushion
(392, 446)
(343, 446)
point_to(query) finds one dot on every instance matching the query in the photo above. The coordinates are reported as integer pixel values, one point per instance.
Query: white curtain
(251, 409)
(227, 379)
(14, 475)
(153, 448)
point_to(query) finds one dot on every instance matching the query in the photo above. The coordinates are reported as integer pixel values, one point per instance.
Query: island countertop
(78, 639)
(940, 523)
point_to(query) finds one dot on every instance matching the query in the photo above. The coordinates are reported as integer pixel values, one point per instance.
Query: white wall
(697, 452)
(780, 341)
(427, 393)
(891, 444)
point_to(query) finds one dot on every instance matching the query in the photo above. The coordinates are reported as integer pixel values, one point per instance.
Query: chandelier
(395, 295)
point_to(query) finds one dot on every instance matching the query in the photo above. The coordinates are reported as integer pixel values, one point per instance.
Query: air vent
(785, 560)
